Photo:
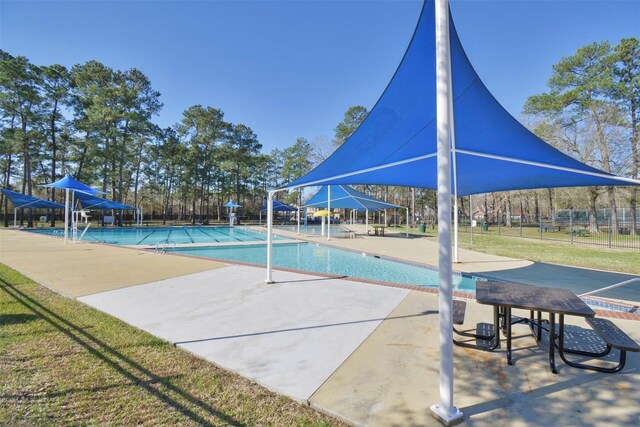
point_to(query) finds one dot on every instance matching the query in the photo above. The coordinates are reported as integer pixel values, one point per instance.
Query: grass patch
(65, 363)
(553, 252)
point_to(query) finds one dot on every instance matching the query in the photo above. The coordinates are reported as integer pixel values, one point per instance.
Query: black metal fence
(601, 232)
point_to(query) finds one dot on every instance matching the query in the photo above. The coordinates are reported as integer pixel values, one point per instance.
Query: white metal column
(407, 221)
(455, 171)
(444, 411)
(66, 214)
(366, 220)
(270, 237)
(328, 212)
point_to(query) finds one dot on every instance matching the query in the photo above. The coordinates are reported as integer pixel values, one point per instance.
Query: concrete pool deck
(366, 353)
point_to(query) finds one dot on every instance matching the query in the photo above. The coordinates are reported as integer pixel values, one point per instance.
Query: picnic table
(378, 230)
(505, 296)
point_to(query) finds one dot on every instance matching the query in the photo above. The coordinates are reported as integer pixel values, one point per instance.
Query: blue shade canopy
(280, 207)
(20, 200)
(345, 197)
(70, 183)
(396, 143)
(231, 204)
(92, 202)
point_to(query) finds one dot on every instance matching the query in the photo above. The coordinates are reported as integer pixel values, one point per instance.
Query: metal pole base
(269, 282)
(447, 419)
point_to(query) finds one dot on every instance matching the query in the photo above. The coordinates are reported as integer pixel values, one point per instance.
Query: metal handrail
(615, 285)
(162, 249)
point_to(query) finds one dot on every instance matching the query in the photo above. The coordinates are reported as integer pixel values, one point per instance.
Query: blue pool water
(152, 235)
(327, 260)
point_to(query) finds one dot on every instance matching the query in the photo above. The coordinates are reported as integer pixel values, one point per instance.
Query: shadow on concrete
(303, 328)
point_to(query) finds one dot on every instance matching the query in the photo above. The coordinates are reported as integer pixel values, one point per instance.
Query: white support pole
(328, 212)
(407, 221)
(471, 218)
(455, 167)
(298, 219)
(270, 237)
(455, 228)
(72, 219)
(15, 218)
(66, 214)
(366, 220)
(444, 411)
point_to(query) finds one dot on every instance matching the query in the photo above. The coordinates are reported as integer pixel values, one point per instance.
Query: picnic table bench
(613, 337)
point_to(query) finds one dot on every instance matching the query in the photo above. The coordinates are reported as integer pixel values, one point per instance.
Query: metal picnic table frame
(505, 296)
(378, 230)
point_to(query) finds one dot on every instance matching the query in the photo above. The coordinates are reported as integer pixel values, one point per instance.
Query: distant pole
(270, 237)
(471, 218)
(444, 411)
(328, 212)
(66, 214)
(407, 222)
(571, 225)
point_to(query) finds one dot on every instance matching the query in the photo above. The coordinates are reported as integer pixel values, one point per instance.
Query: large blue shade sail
(69, 183)
(396, 143)
(280, 207)
(20, 200)
(92, 202)
(345, 197)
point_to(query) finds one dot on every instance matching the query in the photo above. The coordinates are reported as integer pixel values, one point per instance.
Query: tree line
(96, 124)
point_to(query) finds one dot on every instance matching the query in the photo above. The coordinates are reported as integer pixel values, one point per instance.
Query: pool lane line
(202, 231)
(188, 234)
(145, 237)
(226, 234)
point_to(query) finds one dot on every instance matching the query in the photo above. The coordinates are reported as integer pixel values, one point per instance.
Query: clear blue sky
(292, 68)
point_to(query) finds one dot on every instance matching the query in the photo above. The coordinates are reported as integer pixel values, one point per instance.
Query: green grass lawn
(553, 252)
(64, 363)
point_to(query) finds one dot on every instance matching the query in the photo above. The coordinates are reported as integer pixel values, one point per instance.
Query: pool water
(327, 260)
(180, 235)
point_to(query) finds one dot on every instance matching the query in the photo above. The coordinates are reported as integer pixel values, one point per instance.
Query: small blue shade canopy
(92, 202)
(231, 204)
(396, 143)
(280, 207)
(20, 200)
(345, 197)
(70, 183)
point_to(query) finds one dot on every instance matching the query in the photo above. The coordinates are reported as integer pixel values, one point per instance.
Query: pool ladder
(161, 247)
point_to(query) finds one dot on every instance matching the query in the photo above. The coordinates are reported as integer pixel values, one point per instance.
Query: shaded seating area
(91, 202)
(346, 197)
(593, 344)
(22, 201)
(279, 206)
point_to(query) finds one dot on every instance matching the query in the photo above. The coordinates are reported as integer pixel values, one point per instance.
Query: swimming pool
(150, 236)
(327, 260)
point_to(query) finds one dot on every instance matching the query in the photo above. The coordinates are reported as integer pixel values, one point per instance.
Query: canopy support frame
(444, 411)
